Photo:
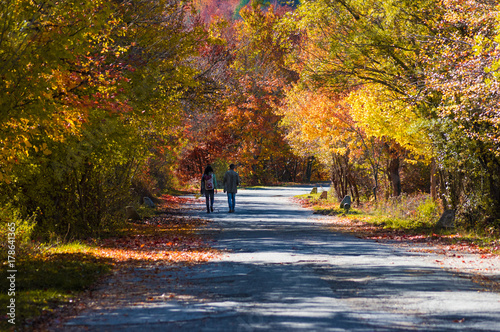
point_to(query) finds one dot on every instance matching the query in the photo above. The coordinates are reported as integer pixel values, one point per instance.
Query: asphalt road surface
(282, 270)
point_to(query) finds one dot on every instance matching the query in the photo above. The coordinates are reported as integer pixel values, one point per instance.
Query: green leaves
(358, 42)
(88, 89)
(421, 74)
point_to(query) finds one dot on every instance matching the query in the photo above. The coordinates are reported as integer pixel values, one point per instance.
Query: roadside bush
(23, 230)
(409, 212)
(428, 211)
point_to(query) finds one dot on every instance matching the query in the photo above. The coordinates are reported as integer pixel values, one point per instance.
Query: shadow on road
(283, 271)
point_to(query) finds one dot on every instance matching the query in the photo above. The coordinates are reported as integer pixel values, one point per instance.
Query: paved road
(284, 272)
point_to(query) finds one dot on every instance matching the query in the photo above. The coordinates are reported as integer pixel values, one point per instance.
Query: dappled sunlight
(161, 240)
(123, 255)
(278, 267)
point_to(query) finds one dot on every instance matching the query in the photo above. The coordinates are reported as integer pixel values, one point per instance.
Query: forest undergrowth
(406, 219)
(53, 278)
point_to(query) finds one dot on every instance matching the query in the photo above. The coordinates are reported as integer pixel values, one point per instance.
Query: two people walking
(230, 182)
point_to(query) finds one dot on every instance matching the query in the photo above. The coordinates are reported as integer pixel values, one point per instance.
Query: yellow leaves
(322, 123)
(381, 115)
(25, 139)
(316, 123)
(45, 150)
(27, 143)
(4, 178)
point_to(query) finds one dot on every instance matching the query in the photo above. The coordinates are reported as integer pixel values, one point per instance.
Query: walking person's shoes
(212, 209)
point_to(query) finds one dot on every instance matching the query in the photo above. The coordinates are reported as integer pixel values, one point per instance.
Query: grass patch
(329, 206)
(47, 279)
(417, 213)
(51, 276)
(397, 223)
(411, 213)
(411, 218)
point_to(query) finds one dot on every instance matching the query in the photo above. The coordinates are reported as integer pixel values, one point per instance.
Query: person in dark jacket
(231, 182)
(209, 187)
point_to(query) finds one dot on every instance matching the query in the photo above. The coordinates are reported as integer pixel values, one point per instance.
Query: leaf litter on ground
(468, 256)
(141, 255)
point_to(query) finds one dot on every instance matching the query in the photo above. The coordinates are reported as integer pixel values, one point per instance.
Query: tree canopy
(105, 102)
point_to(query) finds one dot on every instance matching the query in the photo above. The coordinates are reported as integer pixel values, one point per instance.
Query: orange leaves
(169, 201)
(162, 241)
(247, 68)
(316, 122)
(160, 256)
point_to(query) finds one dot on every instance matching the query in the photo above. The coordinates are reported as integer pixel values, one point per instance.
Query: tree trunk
(375, 178)
(394, 178)
(343, 178)
(309, 169)
(433, 180)
(339, 174)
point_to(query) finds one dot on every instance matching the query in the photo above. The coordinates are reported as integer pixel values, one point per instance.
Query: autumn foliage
(412, 83)
(103, 103)
(90, 96)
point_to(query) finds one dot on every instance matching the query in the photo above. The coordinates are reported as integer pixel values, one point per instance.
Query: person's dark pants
(231, 200)
(209, 194)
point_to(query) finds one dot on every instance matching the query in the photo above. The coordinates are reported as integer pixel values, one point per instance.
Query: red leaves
(162, 240)
(174, 200)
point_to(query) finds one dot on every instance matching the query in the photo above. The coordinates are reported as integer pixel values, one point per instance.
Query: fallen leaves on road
(169, 202)
(161, 239)
(439, 242)
(167, 238)
(141, 255)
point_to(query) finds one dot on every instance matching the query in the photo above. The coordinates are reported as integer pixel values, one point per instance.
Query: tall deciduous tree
(370, 50)
(321, 126)
(437, 60)
(248, 74)
(91, 89)
(43, 70)
(463, 71)
(382, 115)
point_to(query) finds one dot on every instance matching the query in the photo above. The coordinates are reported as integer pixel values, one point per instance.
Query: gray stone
(149, 202)
(447, 219)
(346, 203)
(132, 213)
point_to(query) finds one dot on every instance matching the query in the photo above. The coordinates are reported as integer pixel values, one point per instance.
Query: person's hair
(231, 166)
(208, 170)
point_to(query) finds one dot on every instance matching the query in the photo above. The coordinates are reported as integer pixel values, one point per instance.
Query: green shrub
(407, 212)
(23, 230)
(428, 211)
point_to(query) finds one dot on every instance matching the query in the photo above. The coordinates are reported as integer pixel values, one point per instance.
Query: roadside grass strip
(53, 277)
